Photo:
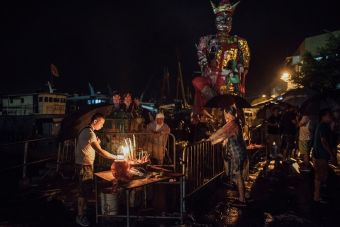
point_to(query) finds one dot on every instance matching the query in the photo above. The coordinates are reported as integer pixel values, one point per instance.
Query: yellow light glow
(263, 96)
(126, 150)
(285, 77)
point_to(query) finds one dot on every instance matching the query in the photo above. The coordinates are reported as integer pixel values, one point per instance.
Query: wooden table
(133, 184)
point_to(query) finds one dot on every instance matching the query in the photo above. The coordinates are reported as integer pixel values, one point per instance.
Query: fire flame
(128, 152)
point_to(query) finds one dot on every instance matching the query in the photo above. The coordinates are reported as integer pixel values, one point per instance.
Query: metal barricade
(22, 154)
(66, 158)
(202, 162)
(111, 141)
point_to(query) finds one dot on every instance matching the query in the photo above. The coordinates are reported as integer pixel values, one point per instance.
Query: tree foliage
(321, 72)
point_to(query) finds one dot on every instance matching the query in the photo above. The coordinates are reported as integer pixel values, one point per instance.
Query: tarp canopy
(72, 124)
(296, 97)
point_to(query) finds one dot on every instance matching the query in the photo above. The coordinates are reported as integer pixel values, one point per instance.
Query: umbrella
(264, 111)
(313, 105)
(72, 124)
(224, 101)
(295, 97)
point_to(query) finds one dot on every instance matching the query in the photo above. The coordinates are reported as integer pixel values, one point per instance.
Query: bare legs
(321, 174)
(240, 185)
(81, 206)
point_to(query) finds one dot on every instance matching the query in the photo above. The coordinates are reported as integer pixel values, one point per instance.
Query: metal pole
(25, 160)
(181, 198)
(58, 157)
(182, 84)
(213, 158)
(174, 150)
(96, 191)
(144, 196)
(183, 193)
(127, 207)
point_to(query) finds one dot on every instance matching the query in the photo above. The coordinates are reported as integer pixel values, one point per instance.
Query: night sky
(126, 44)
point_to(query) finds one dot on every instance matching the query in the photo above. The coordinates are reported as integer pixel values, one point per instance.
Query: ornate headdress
(224, 6)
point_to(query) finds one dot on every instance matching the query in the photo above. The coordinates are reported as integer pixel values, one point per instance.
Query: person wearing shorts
(288, 132)
(306, 129)
(88, 144)
(273, 136)
(322, 152)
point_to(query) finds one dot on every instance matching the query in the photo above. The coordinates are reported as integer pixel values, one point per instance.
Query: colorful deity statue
(223, 58)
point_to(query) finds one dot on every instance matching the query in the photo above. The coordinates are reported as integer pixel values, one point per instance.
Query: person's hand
(225, 142)
(98, 140)
(333, 160)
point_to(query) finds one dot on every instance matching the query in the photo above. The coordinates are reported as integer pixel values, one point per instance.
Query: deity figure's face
(224, 22)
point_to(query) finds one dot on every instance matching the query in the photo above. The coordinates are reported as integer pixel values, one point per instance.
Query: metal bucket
(109, 202)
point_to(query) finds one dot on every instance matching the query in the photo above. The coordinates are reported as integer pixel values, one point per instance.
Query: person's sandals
(82, 221)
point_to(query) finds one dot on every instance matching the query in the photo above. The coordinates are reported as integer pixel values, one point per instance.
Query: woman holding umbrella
(231, 135)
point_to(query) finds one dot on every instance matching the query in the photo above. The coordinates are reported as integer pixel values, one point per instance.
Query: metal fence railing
(23, 156)
(110, 141)
(65, 158)
(149, 142)
(202, 162)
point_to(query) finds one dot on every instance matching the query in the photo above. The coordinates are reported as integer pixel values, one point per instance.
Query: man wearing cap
(157, 141)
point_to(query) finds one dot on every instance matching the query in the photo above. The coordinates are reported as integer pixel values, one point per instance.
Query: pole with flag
(54, 73)
(54, 70)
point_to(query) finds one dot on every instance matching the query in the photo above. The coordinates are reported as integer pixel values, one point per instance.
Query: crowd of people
(125, 107)
(311, 139)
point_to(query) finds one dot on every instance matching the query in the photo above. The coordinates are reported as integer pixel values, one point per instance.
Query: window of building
(22, 100)
(45, 99)
(50, 99)
(40, 99)
(56, 99)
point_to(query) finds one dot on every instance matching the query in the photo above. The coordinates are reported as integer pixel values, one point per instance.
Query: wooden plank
(107, 175)
(142, 182)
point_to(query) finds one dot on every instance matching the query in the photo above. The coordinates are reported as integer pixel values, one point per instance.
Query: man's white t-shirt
(305, 132)
(85, 153)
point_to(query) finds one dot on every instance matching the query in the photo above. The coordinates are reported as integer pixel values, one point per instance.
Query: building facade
(33, 104)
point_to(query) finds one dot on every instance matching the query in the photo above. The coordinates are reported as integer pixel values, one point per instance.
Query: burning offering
(129, 162)
(120, 170)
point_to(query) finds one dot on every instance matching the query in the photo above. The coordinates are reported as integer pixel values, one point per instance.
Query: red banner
(54, 70)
